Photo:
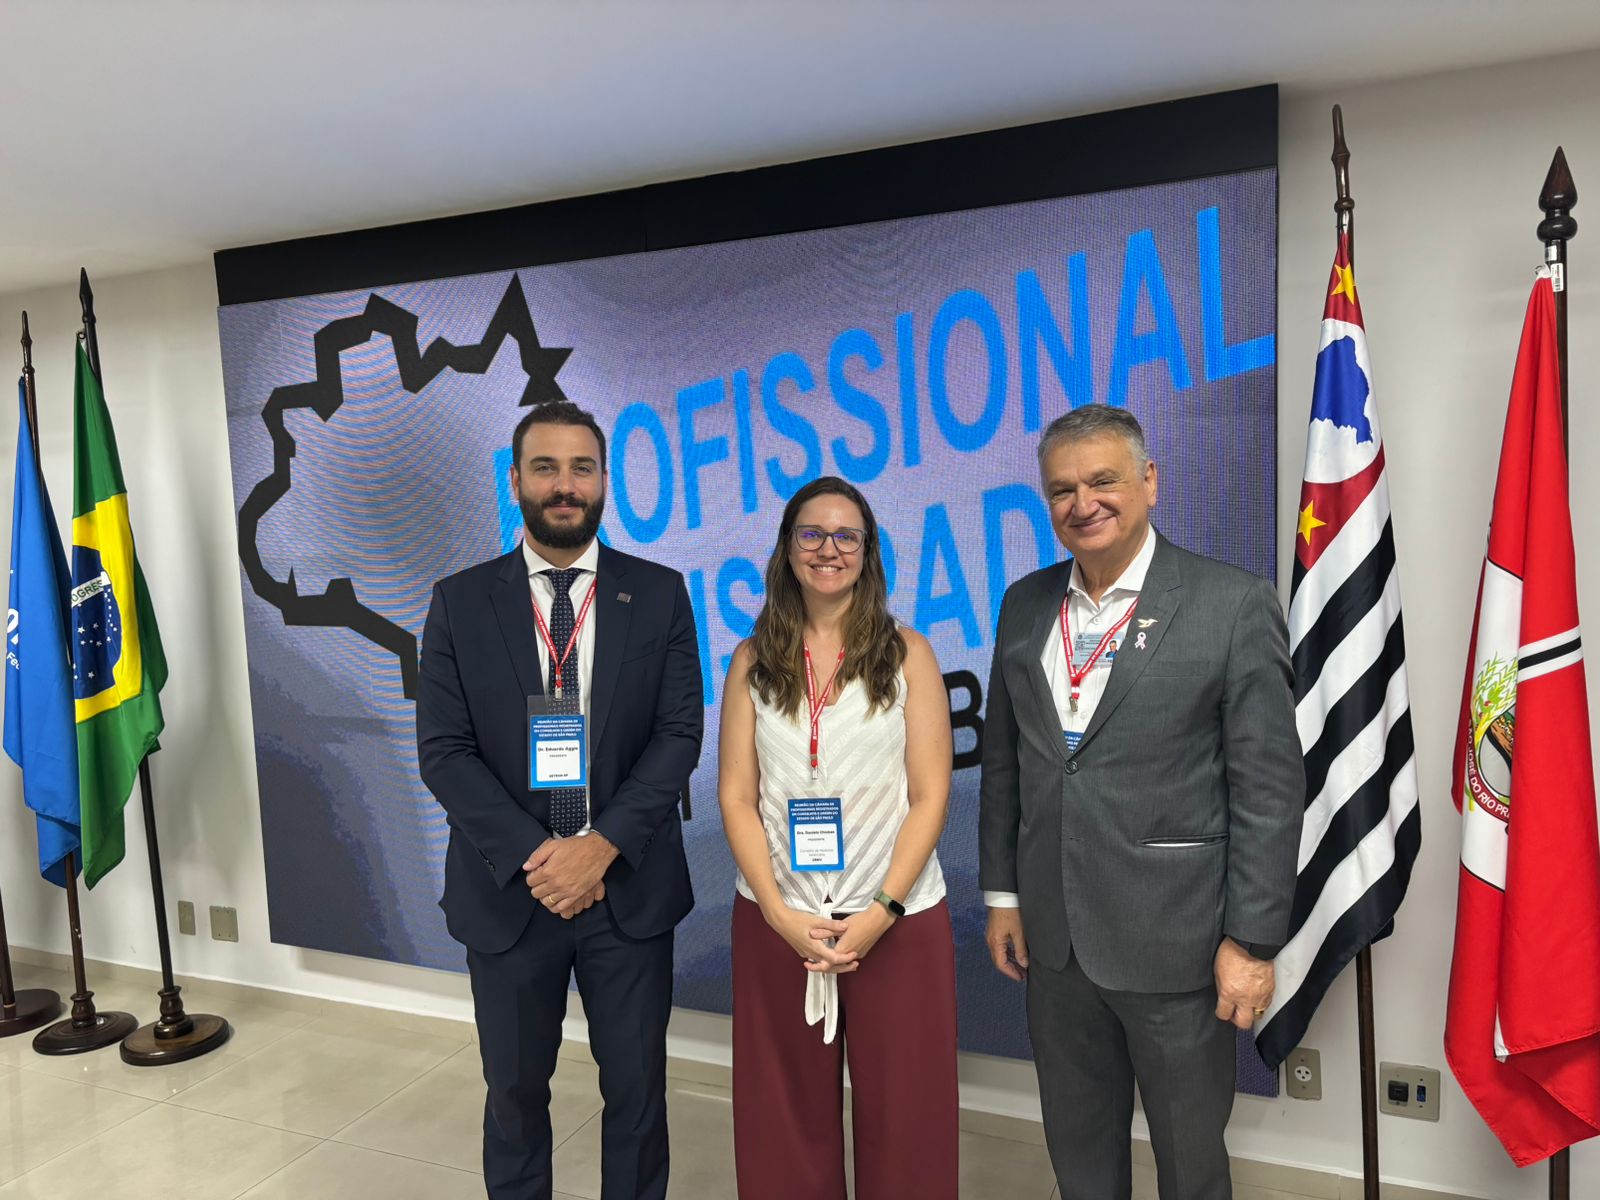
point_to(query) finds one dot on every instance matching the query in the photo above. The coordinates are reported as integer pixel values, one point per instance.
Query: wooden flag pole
(86, 1029)
(31, 1008)
(177, 1036)
(1344, 209)
(1557, 198)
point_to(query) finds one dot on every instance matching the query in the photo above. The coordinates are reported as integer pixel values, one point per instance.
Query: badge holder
(558, 746)
(816, 834)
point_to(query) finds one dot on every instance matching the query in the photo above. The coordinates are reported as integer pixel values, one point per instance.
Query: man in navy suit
(542, 883)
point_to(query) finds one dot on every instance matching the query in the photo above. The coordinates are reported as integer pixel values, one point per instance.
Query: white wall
(1446, 172)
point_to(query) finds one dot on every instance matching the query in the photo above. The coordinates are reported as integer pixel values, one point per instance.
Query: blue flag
(41, 733)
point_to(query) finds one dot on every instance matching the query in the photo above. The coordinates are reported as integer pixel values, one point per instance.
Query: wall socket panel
(185, 916)
(1302, 1074)
(1408, 1091)
(224, 924)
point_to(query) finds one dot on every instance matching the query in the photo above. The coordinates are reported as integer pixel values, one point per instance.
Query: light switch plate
(224, 924)
(185, 916)
(1409, 1079)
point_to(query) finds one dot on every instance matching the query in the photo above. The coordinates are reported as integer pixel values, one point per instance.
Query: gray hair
(1096, 420)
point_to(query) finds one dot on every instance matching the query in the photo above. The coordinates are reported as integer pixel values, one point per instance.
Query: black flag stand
(177, 1036)
(29, 1009)
(1557, 198)
(24, 1010)
(86, 1029)
(1344, 209)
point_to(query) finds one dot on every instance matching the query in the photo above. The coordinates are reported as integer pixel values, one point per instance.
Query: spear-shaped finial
(1344, 208)
(30, 398)
(1558, 197)
(1344, 205)
(91, 342)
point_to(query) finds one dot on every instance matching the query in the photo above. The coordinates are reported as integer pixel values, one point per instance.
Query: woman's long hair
(873, 649)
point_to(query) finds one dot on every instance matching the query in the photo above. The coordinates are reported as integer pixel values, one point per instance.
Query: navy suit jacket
(480, 662)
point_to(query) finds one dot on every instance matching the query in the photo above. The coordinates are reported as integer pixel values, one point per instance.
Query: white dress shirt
(588, 565)
(1087, 617)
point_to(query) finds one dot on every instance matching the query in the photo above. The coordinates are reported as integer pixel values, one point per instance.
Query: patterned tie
(569, 808)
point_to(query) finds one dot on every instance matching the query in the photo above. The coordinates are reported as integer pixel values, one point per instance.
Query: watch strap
(889, 902)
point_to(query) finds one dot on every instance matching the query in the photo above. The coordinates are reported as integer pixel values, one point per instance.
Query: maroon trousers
(897, 1029)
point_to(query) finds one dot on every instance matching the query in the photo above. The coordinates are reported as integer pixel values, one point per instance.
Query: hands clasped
(564, 874)
(811, 935)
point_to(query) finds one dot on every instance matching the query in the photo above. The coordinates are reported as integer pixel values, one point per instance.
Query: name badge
(816, 834)
(1073, 736)
(557, 751)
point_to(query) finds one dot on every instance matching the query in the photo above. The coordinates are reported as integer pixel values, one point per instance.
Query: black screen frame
(1166, 142)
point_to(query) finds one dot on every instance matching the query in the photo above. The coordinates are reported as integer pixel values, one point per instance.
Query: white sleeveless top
(863, 762)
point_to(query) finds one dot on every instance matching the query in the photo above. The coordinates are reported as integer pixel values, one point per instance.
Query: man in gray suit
(1140, 818)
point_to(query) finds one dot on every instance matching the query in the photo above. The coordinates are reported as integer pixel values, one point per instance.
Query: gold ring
(1259, 1011)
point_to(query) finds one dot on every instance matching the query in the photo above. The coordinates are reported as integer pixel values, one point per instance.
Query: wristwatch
(894, 906)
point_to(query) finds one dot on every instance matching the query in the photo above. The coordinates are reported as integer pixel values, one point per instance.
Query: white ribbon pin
(1138, 642)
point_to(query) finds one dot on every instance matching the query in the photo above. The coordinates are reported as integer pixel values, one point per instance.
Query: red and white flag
(1522, 1034)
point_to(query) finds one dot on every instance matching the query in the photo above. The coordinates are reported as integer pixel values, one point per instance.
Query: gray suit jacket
(1194, 741)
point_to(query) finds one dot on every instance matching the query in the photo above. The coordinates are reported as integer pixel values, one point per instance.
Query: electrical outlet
(1408, 1091)
(224, 924)
(1302, 1074)
(185, 916)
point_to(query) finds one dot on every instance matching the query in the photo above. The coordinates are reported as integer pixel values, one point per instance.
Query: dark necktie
(568, 806)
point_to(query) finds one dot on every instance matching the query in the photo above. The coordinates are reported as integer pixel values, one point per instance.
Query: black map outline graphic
(339, 606)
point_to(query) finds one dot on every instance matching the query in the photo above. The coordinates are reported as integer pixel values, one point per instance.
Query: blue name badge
(816, 834)
(1073, 737)
(557, 751)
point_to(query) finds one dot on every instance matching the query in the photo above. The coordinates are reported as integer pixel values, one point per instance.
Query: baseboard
(1300, 1181)
(248, 993)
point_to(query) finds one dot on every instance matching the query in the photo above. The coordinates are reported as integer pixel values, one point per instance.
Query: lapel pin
(624, 597)
(1146, 622)
(1138, 642)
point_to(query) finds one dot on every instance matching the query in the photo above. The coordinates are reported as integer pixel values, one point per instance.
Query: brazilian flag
(118, 668)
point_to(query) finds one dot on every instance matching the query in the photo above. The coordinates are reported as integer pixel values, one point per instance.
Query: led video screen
(918, 358)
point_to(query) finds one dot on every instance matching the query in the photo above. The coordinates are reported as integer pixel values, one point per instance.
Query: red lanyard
(1076, 674)
(549, 642)
(818, 703)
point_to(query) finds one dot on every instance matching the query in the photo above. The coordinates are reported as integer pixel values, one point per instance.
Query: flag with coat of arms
(118, 664)
(1522, 1029)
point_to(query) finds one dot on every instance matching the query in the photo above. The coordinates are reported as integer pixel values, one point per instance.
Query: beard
(562, 537)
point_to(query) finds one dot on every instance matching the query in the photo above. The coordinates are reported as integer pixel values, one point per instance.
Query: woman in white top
(834, 780)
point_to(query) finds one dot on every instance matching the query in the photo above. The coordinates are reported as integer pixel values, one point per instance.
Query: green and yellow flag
(118, 668)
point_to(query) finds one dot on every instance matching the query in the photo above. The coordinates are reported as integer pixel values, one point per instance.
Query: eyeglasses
(845, 540)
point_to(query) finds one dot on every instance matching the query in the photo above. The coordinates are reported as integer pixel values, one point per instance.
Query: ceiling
(149, 134)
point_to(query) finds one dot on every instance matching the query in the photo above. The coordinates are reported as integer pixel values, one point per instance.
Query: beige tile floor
(299, 1107)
